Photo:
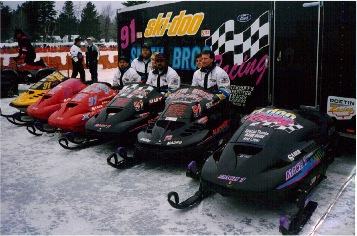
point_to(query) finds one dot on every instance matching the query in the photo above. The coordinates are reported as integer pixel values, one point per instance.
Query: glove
(218, 97)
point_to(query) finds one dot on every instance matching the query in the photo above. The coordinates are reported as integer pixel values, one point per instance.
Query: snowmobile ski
(189, 202)
(126, 162)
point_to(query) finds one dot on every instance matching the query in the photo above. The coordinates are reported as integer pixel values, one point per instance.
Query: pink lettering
(245, 69)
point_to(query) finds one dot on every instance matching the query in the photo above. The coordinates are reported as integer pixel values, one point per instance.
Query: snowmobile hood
(272, 148)
(74, 113)
(183, 122)
(131, 106)
(36, 91)
(52, 100)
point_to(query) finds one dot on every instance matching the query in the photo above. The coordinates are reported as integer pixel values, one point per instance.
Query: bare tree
(106, 13)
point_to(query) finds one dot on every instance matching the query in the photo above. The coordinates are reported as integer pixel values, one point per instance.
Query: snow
(46, 189)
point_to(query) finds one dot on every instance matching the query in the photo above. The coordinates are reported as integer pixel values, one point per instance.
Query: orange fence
(55, 61)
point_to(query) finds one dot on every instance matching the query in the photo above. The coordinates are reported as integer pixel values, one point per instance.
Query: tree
(27, 18)
(105, 22)
(67, 21)
(47, 18)
(133, 3)
(89, 25)
(6, 21)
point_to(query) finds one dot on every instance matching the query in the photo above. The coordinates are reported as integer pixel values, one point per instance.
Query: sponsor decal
(182, 24)
(341, 108)
(176, 142)
(92, 101)
(274, 118)
(205, 33)
(254, 135)
(231, 179)
(171, 118)
(139, 35)
(244, 18)
(96, 107)
(202, 120)
(239, 94)
(138, 105)
(294, 154)
(103, 125)
(155, 100)
(146, 140)
(294, 170)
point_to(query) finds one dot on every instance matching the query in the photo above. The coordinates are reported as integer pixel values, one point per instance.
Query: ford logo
(244, 17)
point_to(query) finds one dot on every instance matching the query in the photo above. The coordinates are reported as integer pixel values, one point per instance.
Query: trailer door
(296, 52)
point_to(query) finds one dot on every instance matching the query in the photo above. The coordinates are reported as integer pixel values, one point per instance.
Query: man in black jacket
(25, 47)
(92, 57)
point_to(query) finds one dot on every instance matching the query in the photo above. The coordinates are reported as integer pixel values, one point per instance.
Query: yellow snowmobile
(29, 97)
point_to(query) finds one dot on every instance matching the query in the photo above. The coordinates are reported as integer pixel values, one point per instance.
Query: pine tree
(6, 20)
(133, 3)
(47, 18)
(89, 25)
(29, 14)
(67, 21)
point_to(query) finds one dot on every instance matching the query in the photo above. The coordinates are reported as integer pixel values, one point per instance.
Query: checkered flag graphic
(289, 128)
(242, 44)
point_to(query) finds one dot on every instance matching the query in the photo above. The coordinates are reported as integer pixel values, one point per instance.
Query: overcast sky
(77, 5)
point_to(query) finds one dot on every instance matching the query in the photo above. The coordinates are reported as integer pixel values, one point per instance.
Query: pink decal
(245, 69)
(127, 34)
(263, 117)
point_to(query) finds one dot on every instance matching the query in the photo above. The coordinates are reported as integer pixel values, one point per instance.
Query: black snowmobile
(192, 124)
(276, 154)
(127, 114)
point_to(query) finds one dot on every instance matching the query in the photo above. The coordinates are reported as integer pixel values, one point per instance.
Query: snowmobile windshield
(96, 88)
(119, 102)
(178, 111)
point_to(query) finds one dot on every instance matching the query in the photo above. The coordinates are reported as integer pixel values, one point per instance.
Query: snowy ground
(46, 189)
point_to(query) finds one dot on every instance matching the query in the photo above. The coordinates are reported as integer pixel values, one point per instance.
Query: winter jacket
(168, 78)
(215, 76)
(76, 54)
(142, 66)
(92, 54)
(128, 76)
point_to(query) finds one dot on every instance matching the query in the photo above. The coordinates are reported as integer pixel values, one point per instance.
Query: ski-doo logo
(180, 25)
(294, 170)
(232, 178)
(138, 105)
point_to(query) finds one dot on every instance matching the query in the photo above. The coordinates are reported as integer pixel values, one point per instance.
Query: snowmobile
(73, 114)
(275, 155)
(31, 96)
(192, 124)
(127, 113)
(51, 102)
(20, 73)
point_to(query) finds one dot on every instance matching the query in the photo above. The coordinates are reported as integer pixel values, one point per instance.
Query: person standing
(142, 64)
(77, 60)
(92, 58)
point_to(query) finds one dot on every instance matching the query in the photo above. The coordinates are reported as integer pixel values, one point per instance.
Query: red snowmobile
(50, 103)
(74, 114)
